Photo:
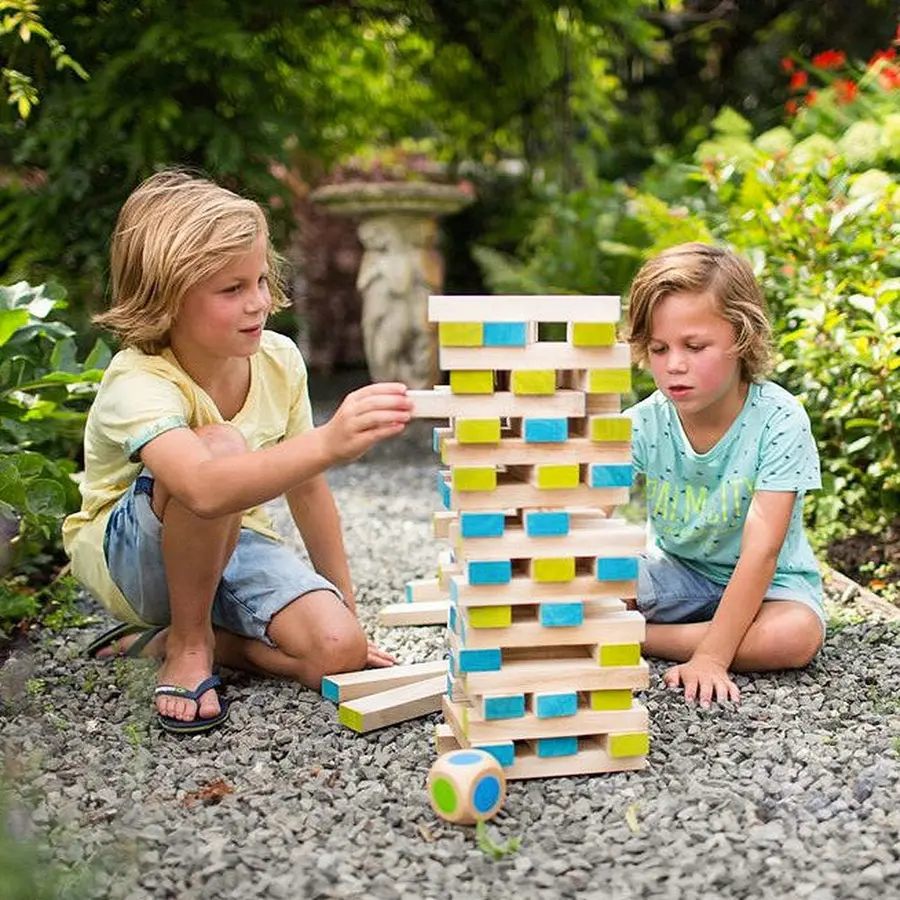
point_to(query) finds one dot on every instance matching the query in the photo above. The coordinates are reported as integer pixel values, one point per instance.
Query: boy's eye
(657, 350)
(696, 348)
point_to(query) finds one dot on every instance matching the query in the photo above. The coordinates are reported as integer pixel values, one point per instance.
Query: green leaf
(46, 498)
(859, 444)
(11, 320)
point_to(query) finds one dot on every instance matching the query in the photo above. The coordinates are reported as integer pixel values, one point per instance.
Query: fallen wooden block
(352, 685)
(432, 612)
(390, 707)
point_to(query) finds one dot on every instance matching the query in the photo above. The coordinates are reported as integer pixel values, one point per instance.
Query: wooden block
(587, 537)
(474, 382)
(473, 478)
(545, 431)
(519, 591)
(613, 629)
(440, 523)
(489, 571)
(552, 569)
(481, 524)
(553, 706)
(464, 661)
(444, 741)
(488, 617)
(521, 452)
(471, 727)
(505, 334)
(545, 522)
(614, 653)
(477, 431)
(524, 307)
(553, 476)
(601, 475)
(397, 705)
(433, 612)
(543, 356)
(460, 334)
(617, 568)
(442, 403)
(352, 685)
(421, 590)
(600, 404)
(509, 706)
(609, 428)
(560, 674)
(541, 382)
(561, 615)
(591, 334)
(512, 493)
(606, 381)
(609, 700)
(625, 745)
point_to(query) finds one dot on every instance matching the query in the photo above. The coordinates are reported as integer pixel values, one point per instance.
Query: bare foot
(187, 667)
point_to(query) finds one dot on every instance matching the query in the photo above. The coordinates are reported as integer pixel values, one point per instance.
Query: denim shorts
(670, 592)
(262, 577)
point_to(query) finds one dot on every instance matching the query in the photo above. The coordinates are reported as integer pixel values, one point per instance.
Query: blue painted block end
(504, 752)
(547, 524)
(486, 660)
(505, 334)
(617, 568)
(561, 615)
(602, 476)
(330, 690)
(481, 524)
(558, 746)
(545, 431)
(512, 707)
(490, 571)
(550, 706)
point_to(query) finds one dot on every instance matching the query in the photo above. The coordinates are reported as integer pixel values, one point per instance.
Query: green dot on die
(444, 795)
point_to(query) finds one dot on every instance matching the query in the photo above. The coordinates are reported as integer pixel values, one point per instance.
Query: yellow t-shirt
(142, 396)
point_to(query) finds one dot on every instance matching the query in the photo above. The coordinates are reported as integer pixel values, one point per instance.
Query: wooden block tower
(544, 656)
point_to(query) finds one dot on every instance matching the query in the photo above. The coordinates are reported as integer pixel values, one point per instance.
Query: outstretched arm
(705, 674)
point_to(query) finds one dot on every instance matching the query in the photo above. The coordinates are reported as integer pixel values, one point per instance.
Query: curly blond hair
(699, 268)
(175, 230)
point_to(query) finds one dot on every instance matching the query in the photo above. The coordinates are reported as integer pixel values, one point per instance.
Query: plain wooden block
(420, 590)
(524, 307)
(442, 403)
(352, 685)
(522, 591)
(543, 356)
(397, 705)
(433, 612)
(512, 451)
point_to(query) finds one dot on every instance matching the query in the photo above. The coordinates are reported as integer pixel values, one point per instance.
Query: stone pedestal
(400, 268)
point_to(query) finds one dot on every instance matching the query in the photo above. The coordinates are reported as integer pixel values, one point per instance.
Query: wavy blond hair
(174, 231)
(698, 268)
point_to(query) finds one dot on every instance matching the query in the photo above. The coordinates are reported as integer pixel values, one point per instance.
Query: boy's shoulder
(773, 399)
(280, 349)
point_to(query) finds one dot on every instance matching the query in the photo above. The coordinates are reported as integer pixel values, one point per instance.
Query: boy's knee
(221, 439)
(797, 638)
(342, 649)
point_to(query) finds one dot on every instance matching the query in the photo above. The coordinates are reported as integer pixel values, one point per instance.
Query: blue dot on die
(486, 795)
(464, 758)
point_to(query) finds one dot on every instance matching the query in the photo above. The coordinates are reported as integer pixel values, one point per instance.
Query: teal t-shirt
(697, 503)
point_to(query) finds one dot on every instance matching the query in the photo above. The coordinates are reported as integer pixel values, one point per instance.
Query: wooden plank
(529, 727)
(352, 685)
(517, 451)
(424, 590)
(622, 627)
(531, 357)
(390, 707)
(513, 493)
(563, 674)
(441, 522)
(441, 403)
(522, 590)
(525, 308)
(433, 612)
(600, 538)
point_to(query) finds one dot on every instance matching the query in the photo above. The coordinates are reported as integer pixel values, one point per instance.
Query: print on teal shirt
(677, 508)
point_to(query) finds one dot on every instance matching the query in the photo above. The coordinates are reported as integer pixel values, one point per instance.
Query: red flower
(829, 59)
(845, 90)
(889, 77)
(811, 98)
(882, 56)
(787, 64)
(799, 81)
(791, 107)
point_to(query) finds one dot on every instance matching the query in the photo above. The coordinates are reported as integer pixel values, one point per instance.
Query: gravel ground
(792, 794)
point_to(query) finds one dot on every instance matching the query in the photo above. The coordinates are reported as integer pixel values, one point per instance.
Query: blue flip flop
(196, 725)
(123, 630)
